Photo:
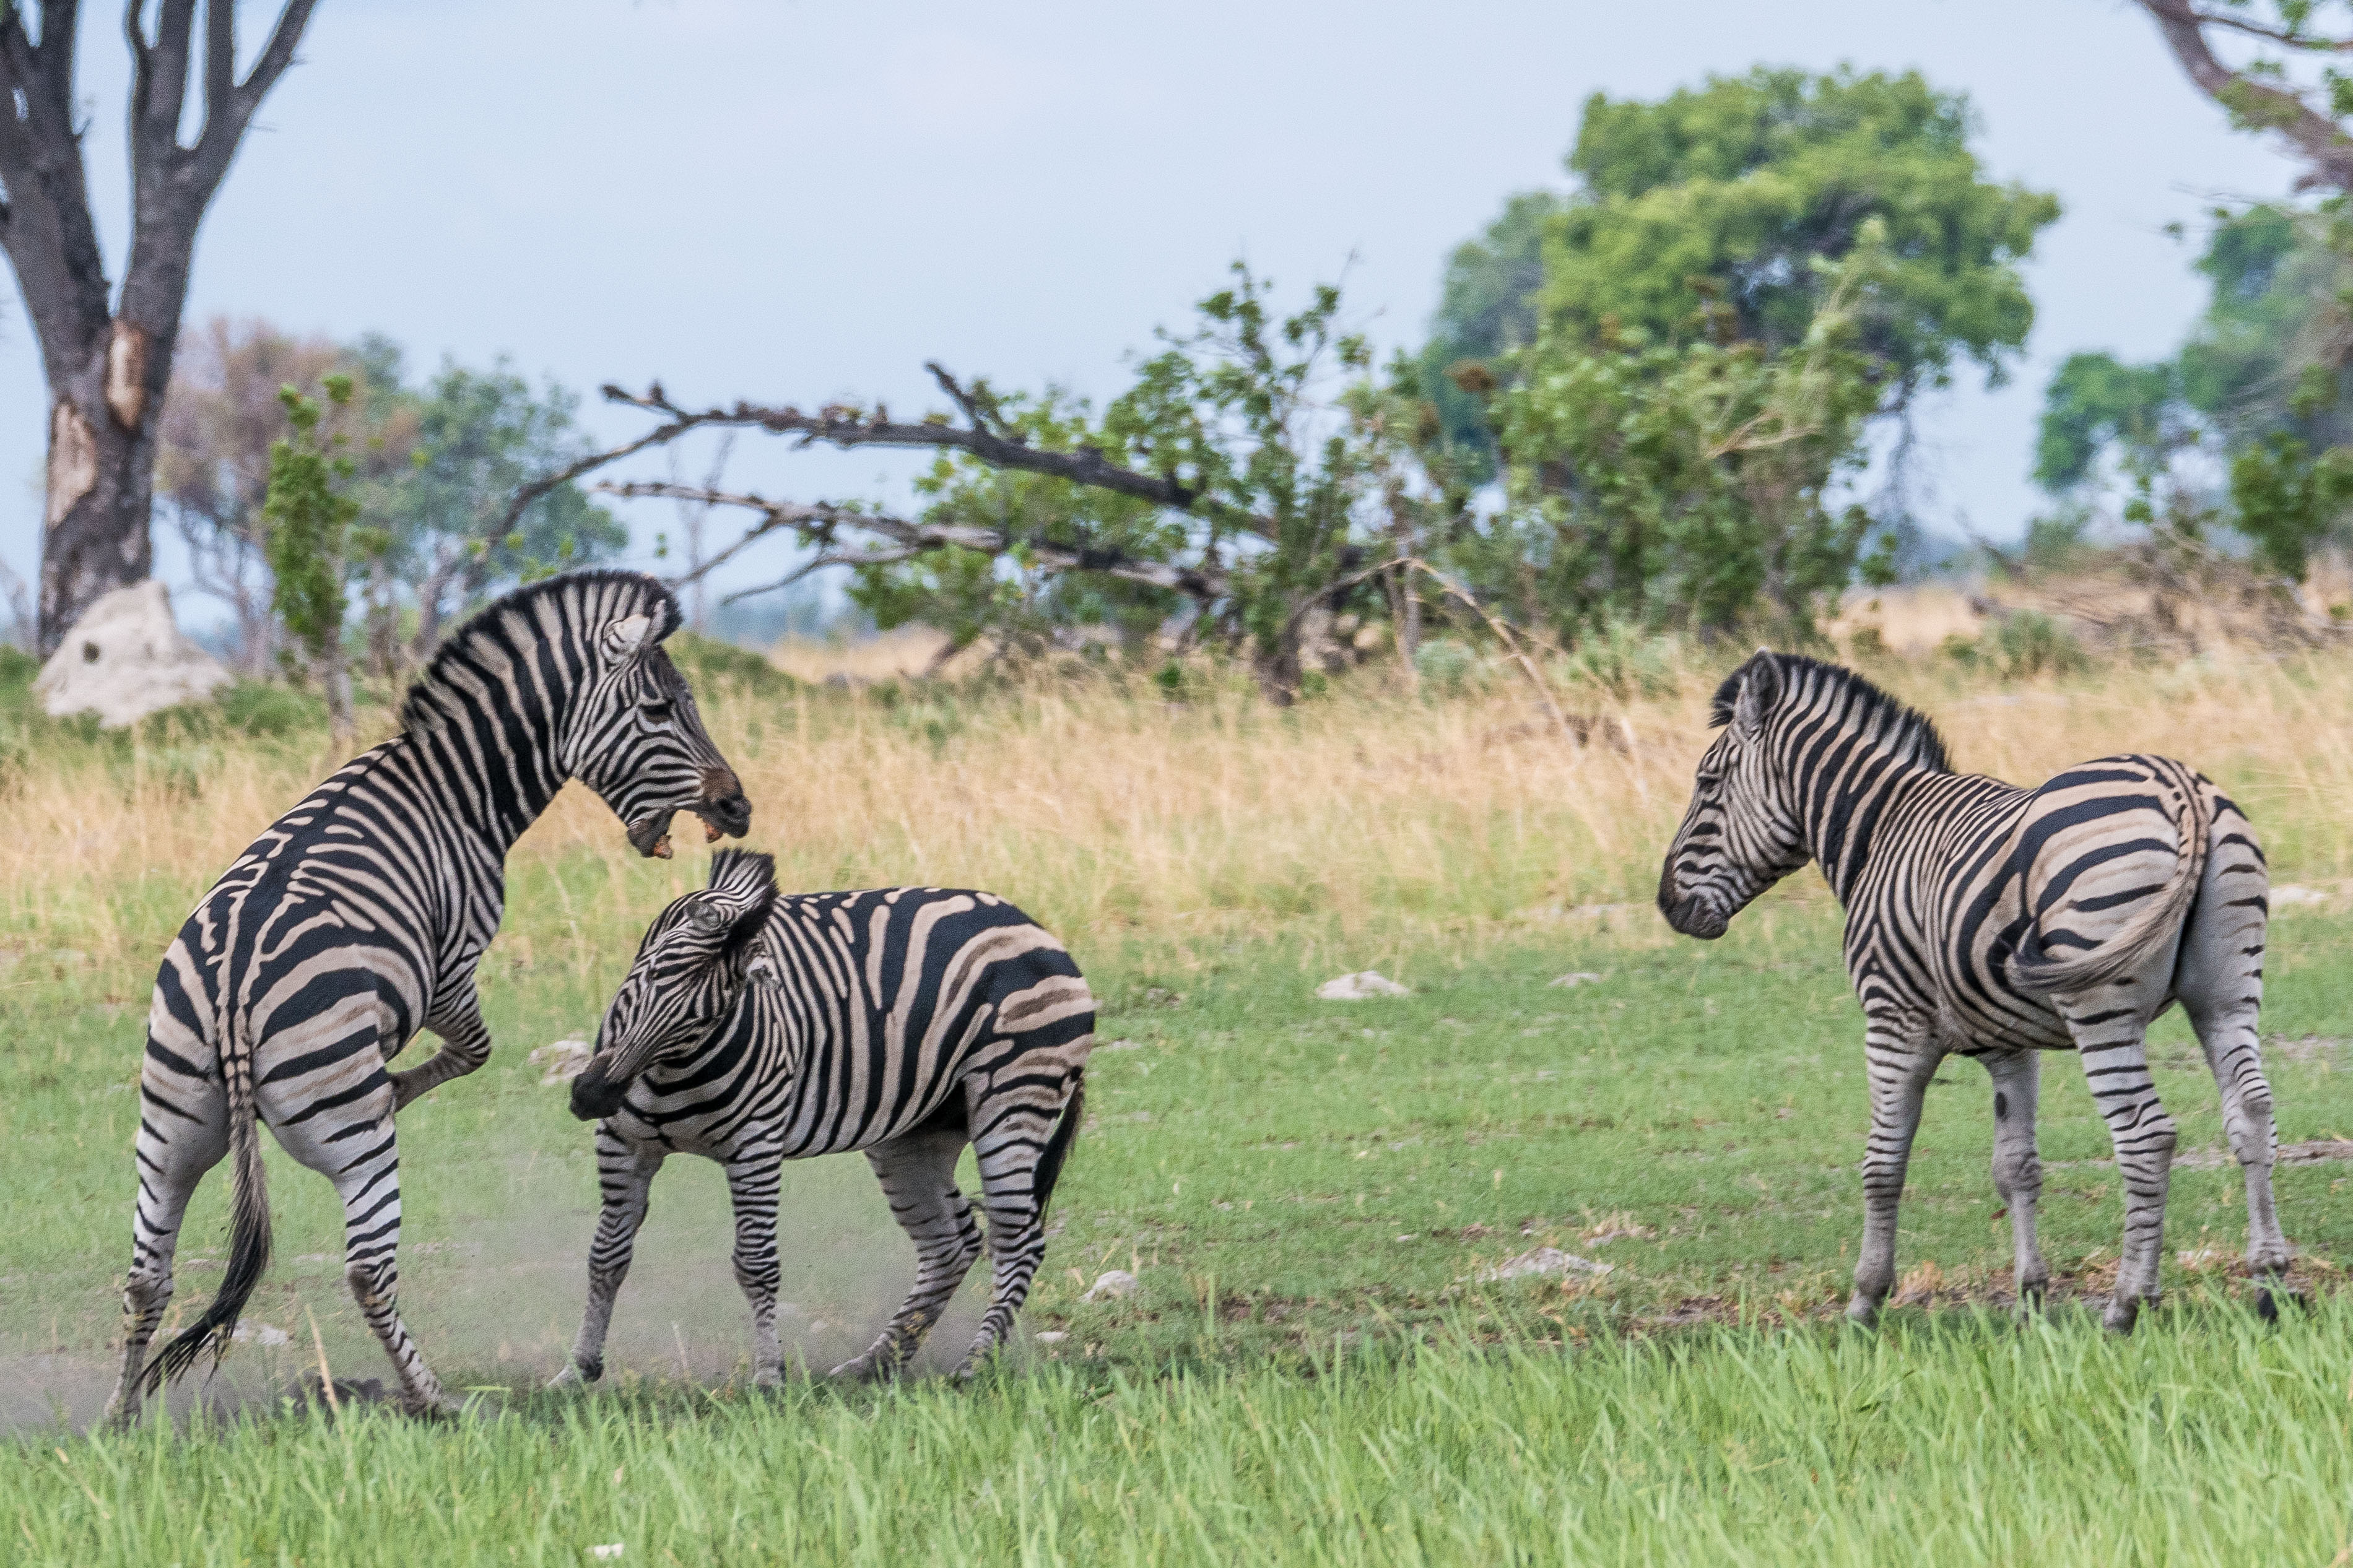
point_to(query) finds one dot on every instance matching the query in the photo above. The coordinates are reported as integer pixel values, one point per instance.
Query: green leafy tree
(1683, 481)
(481, 436)
(307, 514)
(2248, 426)
(1742, 185)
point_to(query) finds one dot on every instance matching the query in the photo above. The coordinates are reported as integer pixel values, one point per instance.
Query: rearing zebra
(1996, 921)
(357, 920)
(757, 1028)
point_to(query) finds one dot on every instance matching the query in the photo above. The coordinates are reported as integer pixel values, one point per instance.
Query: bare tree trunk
(107, 368)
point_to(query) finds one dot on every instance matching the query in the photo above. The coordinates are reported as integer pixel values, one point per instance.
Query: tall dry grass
(1112, 814)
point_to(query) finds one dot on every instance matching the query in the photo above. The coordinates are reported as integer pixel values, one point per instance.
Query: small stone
(565, 1060)
(1049, 1336)
(1114, 1285)
(1408, 1238)
(265, 1335)
(609, 1550)
(2291, 895)
(1360, 987)
(1119, 1046)
(1570, 982)
(1541, 1261)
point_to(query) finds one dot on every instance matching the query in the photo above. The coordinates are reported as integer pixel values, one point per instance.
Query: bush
(709, 662)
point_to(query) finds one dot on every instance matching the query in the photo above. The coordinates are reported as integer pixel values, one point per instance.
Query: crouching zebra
(757, 1028)
(357, 920)
(1996, 921)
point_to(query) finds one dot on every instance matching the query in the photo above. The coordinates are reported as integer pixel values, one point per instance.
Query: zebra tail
(249, 1247)
(1058, 1147)
(2157, 924)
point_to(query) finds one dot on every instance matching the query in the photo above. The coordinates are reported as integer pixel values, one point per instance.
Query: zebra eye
(657, 708)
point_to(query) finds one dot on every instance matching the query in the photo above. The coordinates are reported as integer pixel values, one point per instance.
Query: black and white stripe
(1998, 922)
(757, 1027)
(358, 918)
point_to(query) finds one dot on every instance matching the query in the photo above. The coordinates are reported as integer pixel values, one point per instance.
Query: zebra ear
(1760, 693)
(626, 637)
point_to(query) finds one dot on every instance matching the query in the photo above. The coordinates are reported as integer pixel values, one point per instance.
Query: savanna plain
(1309, 1192)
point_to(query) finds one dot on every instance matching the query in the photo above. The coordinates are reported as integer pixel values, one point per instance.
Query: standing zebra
(757, 1028)
(358, 918)
(1998, 922)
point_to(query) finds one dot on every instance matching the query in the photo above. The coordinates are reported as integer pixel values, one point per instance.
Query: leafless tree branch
(818, 522)
(2257, 103)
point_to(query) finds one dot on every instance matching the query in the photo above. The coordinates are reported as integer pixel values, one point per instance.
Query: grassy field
(1306, 1190)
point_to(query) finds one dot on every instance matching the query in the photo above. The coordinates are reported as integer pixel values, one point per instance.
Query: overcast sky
(784, 202)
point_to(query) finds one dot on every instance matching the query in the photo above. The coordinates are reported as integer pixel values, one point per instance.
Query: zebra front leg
(1900, 1063)
(751, 1189)
(182, 1133)
(465, 1045)
(2109, 1026)
(625, 1179)
(2017, 1166)
(918, 1175)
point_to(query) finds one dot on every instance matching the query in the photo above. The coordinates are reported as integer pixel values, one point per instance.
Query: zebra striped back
(1996, 921)
(358, 918)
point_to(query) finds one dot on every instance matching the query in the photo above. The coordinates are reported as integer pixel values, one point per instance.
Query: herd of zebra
(757, 1027)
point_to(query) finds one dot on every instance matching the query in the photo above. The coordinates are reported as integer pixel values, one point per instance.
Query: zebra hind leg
(368, 1180)
(2017, 1166)
(182, 1133)
(918, 1174)
(624, 1175)
(2220, 980)
(2109, 1024)
(1019, 1141)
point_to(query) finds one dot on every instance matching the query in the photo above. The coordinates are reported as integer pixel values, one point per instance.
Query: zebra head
(691, 969)
(1742, 832)
(636, 738)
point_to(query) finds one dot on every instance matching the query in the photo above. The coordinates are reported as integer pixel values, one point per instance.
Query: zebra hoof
(575, 1376)
(1862, 1313)
(2031, 1294)
(768, 1379)
(858, 1369)
(2123, 1312)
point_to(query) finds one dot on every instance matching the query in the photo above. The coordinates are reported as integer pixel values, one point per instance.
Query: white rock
(611, 1549)
(126, 658)
(1114, 1285)
(1543, 1260)
(1581, 977)
(1049, 1336)
(263, 1334)
(565, 1061)
(1360, 987)
(2291, 895)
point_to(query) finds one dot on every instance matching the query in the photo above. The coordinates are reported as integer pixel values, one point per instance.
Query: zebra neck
(1842, 806)
(491, 775)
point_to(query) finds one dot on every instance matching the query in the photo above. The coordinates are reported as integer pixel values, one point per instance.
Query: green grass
(2198, 1440)
(1304, 1188)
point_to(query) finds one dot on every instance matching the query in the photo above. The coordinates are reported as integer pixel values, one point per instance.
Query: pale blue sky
(790, 202)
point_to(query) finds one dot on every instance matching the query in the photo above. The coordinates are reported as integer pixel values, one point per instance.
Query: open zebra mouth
(650, 835)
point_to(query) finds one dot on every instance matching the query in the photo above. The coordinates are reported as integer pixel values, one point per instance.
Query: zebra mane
(1814, 683)
(652, 598)
(750, 868)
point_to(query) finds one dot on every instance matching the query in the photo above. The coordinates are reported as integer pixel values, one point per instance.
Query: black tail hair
(249, 1246)
(1058, 1147)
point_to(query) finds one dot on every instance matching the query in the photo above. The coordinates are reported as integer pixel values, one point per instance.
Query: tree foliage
(2248, 426)
(432, 468)
(307, 513)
